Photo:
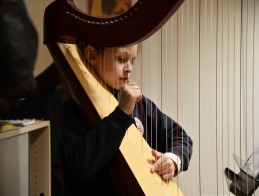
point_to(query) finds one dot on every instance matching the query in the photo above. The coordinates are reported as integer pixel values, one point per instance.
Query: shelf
(25, 160)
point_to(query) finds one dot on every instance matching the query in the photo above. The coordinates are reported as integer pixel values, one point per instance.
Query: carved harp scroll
(65, 25)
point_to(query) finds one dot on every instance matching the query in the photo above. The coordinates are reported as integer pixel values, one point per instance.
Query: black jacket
(86, 151)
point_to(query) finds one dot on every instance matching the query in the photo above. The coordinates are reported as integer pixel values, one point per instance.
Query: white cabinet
(25, 160)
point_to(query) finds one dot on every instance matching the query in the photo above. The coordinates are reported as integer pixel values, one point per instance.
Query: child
(86, 150)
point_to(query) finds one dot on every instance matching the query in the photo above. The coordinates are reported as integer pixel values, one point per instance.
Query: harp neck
(65, 23)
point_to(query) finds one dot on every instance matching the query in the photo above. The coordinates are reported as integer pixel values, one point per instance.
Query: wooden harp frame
(64, 23)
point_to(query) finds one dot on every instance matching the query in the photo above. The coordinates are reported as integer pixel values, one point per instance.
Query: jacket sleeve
(166, 135)
(86, 150)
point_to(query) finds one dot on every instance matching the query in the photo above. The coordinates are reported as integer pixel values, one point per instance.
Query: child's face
(114, 65)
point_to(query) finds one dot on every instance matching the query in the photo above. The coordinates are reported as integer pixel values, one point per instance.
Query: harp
(65, 25)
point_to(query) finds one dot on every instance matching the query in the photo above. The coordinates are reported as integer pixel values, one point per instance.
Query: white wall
(36, 12)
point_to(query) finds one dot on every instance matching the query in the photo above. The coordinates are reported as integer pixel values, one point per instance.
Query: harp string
(250, 4)
(164, 68)
(253, 87)
(234, 87)
(222, 82)
(246, 72)
(188, 57)
(177, 73)
(156, 52)
(227, 89)
(246, 84)
(199, 94)
(216, 136)
(240, 76)
(216, 117)
(141, 85)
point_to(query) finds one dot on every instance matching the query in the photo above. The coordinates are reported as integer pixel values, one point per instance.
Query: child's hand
(130, 94)
(163, 165)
